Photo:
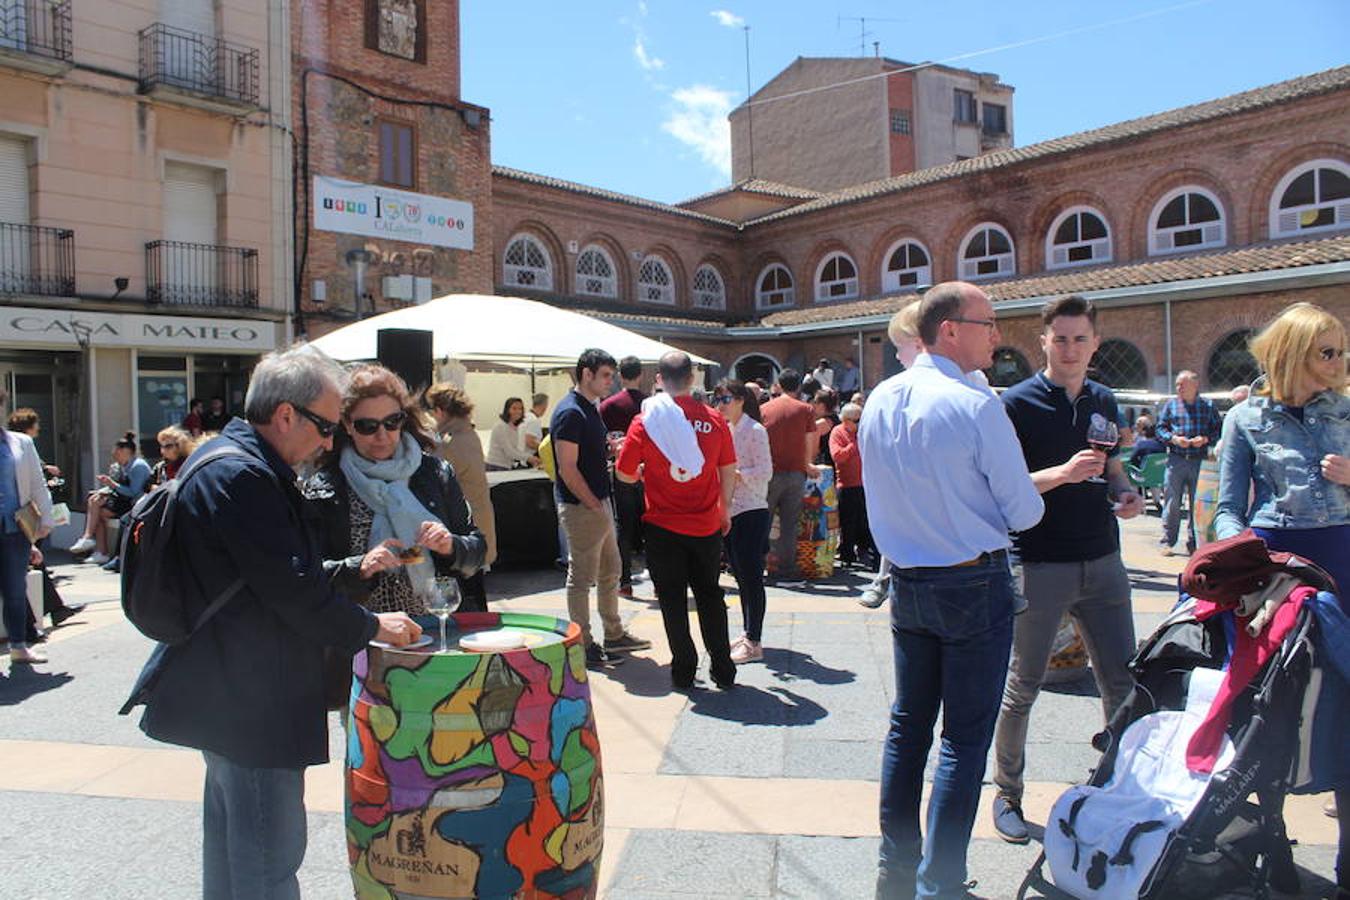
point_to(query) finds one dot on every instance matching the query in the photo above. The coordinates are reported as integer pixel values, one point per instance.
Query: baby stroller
(1146, 826)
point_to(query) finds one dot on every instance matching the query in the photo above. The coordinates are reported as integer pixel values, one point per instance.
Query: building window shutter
(14, 181)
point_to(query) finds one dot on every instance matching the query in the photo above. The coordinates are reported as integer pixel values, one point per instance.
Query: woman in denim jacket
(1287, 447)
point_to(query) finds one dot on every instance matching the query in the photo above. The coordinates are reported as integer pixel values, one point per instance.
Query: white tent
(511, 331)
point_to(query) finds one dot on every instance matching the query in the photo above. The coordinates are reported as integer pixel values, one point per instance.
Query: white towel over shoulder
(672, 433)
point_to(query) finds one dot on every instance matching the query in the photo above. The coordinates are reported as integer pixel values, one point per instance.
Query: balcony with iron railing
(198, 69)
(206, 275)
(36, 260)
(35, 35)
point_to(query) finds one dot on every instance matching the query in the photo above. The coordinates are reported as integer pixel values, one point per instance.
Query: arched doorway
(754, 366)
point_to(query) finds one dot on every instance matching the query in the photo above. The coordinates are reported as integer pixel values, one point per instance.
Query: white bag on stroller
(1103, 842)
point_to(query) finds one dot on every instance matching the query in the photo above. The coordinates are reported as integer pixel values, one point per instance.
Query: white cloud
(727, 19)
(699, 121)
(646, 61)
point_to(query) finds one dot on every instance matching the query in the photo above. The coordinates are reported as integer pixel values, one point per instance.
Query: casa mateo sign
(67, 328)
(350, 208)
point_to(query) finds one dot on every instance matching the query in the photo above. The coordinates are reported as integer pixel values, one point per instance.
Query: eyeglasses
(723, 400)
(391, 422)
(326, 427)
(987, 323)
(1327, 354)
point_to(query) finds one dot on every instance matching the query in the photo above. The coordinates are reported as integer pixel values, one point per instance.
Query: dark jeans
(14, 548)
(628, 516)
(952, 630)
(253, 831)
(678, 564)
(1182, 477)
(745, 551)
(855, 538)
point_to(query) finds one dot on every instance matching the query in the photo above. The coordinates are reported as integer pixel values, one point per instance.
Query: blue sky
(632, 95)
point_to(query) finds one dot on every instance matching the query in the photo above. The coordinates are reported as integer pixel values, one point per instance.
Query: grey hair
(298, 375)
(851, 411)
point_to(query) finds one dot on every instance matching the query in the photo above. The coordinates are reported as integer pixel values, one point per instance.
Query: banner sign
(377, 211)
(69, 328)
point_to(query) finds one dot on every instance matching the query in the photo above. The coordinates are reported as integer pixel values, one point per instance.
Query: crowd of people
(984, 519)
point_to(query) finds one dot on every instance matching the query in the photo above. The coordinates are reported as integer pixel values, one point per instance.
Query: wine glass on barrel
(1102, 434)
(442, 598)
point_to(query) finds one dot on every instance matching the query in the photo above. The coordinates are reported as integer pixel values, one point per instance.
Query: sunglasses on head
(391, 422)
(326, 427)
(1327, 354)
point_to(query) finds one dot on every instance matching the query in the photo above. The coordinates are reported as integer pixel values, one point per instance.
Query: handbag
(29, 518)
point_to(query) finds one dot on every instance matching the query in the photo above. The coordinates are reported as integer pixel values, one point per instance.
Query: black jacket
(249, 684)
(433, 484)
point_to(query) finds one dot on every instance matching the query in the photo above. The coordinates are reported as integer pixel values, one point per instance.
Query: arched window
(527, 264)
(1119, 364)
(1009, 367)
(1079, 237)
(837, 278)
(1314, 197)
(908, 265)
(595, 273)
(655, 284)
(710, 291)
(774, 288)
(1189, 218)
(754, 366)
(987, 252)
(1232, 363)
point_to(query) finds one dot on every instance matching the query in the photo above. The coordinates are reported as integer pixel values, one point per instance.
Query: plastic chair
(1150, 477)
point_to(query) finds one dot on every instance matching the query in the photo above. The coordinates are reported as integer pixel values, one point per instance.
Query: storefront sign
(374, 211)
(68, 328)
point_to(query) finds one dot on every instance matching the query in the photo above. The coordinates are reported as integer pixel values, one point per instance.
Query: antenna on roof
(863, 33)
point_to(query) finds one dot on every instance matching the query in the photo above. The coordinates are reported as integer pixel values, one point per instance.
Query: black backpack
(154, 580)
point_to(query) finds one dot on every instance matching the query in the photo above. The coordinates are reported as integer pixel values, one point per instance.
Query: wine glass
(1102, 434)
(441, 595)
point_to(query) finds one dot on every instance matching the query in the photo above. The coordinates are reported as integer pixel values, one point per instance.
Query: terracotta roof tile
(1248, 260)
(1283, 92)
(757, 186)
(602, 194)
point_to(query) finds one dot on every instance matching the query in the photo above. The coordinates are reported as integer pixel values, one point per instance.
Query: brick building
(393, 183)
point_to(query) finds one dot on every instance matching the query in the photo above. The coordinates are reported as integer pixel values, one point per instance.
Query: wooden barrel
(1206, 502)
(1068, 654)
(475, 774)
(818, 527)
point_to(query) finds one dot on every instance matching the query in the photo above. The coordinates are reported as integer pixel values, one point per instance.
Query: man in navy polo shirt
(582, 490)
(1071, 559)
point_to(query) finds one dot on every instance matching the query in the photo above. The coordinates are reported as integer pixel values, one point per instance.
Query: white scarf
(672, 433)
(383, 486)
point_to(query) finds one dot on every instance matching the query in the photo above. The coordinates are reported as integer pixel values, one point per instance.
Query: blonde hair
(179, 437)
(1284, 349)
(904, 325)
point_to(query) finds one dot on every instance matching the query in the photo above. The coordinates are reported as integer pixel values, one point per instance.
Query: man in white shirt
(823, 374)
(946, 481)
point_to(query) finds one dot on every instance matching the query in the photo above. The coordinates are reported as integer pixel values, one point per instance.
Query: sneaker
(747, 651)
(1167, 550)
(872, 598)
(598, 658)
(1008, 821)
(626, 643)
(113, 565)
(83, 546)
(1329, 808)
(98, 559)
(26, 655)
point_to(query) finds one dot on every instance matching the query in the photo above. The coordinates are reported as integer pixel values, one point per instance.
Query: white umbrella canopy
(509, 330)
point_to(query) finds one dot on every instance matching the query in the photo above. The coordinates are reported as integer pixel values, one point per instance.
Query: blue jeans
(14, 548)
(1182, 477)
(745, 545)
(952, 630)
(253, 831)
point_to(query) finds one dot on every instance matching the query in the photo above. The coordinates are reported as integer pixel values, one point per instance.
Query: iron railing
(37, 260)
(198, 63)
(38, 27)
(182, 274)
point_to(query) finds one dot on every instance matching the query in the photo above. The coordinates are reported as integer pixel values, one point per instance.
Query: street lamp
(358, 260)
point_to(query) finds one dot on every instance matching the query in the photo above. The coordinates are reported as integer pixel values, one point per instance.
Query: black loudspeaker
(406, 351)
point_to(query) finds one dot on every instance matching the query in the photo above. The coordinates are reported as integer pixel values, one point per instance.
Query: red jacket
(847, 456)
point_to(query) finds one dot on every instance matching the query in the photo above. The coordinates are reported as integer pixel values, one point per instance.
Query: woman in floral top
(749, 534)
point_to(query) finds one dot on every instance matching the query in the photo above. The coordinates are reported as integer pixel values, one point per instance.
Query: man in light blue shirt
(946, 481)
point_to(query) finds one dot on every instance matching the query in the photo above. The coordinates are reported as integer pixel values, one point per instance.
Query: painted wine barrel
(1206, 502)
(475, 774)
(818, 527)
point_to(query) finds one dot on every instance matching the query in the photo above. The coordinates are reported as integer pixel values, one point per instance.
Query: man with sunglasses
(946, 483)
(246, 688)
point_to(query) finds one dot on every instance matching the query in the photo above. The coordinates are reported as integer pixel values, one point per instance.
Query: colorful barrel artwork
(818, 527)
(475, 774)
(1206, 502)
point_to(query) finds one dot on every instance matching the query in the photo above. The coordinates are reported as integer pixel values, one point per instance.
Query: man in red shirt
(792, 445)
(682, 451)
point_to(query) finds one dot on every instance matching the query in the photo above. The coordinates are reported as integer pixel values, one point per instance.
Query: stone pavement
(766, 791)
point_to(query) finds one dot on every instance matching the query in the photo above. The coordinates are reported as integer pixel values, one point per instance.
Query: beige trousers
(593, 559)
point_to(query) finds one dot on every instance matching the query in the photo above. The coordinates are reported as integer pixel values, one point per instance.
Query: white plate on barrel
(492, 641)
(423, 641)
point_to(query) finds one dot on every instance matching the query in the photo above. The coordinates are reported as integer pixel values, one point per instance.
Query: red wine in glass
(1102, 434)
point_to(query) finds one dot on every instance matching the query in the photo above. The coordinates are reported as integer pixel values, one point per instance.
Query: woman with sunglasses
(748, 539)
(1284, 465)
(383, 493)
(175, 446)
